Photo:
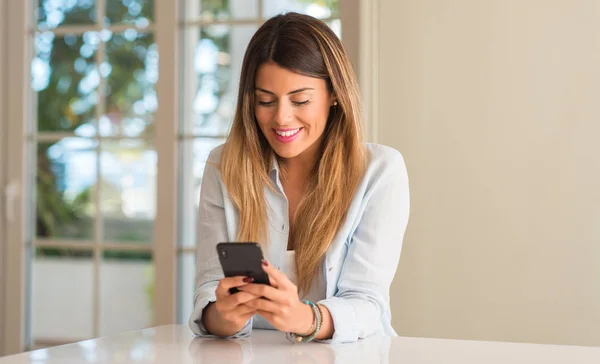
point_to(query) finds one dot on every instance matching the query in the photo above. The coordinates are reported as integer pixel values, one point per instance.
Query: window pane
(318, 8)
(139, 12)
(211, 72)
(52, 13)
(193, 157)
(131, 69)
(65, 77)
(219, 10)
(66, 179)
(128, 190)
(126, 291)
(57, 274)
(187, 284)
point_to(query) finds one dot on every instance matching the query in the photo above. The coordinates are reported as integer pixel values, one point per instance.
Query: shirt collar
(274, 170)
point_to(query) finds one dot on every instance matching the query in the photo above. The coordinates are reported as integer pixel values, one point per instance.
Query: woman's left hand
(279, 303)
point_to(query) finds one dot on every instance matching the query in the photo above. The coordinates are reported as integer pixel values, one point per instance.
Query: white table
(176, 344)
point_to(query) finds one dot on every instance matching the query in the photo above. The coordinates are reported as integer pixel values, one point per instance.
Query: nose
(284, 113)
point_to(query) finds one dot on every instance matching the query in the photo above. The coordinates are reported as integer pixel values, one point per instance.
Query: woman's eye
(300, 103)
(266, 103)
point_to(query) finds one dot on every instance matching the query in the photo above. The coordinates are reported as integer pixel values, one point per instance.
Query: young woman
(295, 176)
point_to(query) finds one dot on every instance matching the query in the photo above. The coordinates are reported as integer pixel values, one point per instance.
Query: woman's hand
(279, 303)
(230, 312)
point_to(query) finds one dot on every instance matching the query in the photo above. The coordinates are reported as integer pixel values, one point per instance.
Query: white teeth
(288, 133)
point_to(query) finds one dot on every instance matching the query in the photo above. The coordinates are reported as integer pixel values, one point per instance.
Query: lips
(287, 135)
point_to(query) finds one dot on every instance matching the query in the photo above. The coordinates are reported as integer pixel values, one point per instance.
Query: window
(109, 122)
(93, 70)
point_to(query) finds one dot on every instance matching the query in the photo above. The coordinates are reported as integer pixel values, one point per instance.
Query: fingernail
(265, 263)
(248, 280)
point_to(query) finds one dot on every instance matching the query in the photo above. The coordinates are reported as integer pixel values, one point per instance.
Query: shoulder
(214, 157)
(385, 187)
(383, 162)
(212, 169)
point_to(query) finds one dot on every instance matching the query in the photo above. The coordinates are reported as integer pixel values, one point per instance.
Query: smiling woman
(295, 176)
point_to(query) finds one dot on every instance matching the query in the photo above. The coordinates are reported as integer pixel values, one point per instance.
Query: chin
(287, 153)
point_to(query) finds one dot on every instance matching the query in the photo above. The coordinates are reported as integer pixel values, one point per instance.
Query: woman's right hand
(229, 314)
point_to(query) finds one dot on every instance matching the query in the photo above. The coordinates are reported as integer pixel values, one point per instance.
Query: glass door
(93, 169)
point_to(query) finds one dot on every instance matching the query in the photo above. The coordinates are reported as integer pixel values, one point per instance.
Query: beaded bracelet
(317, 322)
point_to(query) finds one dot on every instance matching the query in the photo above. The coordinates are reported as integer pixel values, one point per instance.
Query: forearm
(216, 326)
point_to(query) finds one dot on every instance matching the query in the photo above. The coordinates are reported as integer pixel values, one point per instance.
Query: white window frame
(3, 32)
(165, 228)
(362, 45)
(16, 103)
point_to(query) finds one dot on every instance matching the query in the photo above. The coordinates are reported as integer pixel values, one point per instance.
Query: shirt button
(282, 227)
(330, 269)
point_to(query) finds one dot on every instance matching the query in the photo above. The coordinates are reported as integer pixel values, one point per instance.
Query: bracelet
(316, 324)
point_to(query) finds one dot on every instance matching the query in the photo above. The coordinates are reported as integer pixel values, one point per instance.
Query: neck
(297, 171)
(298, 168)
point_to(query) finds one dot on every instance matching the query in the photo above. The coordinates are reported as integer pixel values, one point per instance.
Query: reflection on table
(177, 344)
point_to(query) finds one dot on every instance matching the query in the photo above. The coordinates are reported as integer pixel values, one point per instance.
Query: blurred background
(109, 108)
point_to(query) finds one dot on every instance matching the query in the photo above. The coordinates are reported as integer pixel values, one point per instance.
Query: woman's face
(291, 109)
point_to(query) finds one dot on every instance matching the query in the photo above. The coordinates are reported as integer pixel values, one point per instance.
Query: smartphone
(242, 259)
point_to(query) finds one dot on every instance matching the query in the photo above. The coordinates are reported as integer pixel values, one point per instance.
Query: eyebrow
(289, 93)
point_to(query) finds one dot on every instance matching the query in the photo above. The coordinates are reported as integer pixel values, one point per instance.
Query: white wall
(496, 107)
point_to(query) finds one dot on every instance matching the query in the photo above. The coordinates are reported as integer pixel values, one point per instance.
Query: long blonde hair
(307, 46)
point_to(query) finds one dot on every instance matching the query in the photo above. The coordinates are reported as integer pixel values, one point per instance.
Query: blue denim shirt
(359, 265)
